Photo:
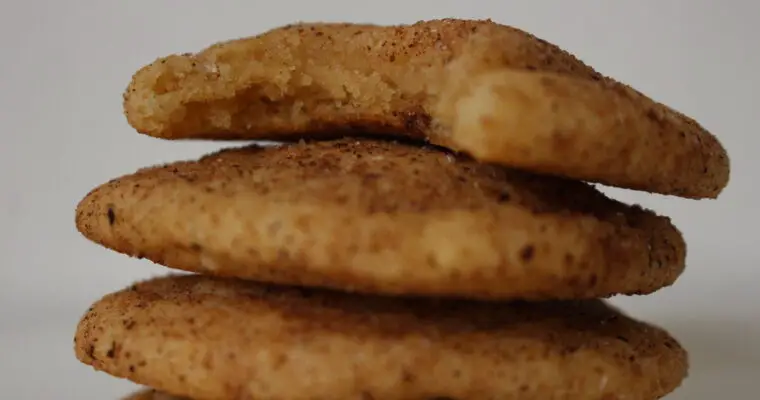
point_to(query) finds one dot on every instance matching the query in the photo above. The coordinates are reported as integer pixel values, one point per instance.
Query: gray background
(65, 64)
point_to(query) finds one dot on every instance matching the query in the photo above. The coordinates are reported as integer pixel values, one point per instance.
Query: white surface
(65, 64)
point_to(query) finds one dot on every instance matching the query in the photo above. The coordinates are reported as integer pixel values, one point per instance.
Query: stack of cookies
(425, 227)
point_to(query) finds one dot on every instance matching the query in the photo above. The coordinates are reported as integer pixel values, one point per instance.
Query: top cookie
(489, 90)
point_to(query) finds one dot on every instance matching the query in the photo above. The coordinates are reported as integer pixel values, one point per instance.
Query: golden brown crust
(382, 217)
(421, 80)
(580, 127)
(209, 338)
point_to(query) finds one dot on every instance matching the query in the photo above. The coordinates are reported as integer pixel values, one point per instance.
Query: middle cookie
(384, 217)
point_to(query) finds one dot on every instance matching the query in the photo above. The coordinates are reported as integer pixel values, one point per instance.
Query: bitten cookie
(492, 91)
(210, 338)
(384, 217)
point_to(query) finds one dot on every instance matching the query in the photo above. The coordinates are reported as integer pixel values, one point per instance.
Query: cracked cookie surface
(212, 338)
(378, 216)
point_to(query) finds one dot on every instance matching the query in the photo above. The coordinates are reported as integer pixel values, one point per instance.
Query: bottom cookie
(212, 338)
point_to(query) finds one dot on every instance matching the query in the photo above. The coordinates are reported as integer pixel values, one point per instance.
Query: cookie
(217, 338)
(488, 90)
(383, 217)
(151, 394)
